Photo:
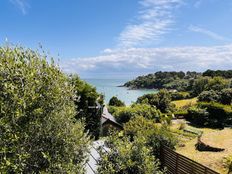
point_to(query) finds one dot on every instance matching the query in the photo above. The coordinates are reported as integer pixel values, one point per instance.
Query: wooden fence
(179, 164)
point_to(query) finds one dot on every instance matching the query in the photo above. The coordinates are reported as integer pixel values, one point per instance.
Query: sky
(123, 38)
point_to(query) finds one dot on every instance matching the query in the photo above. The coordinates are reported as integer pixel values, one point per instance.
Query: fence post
(177, 160)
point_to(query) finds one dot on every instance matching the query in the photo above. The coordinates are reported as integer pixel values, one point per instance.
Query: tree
(154, 136)
(127, 157)
(217, 83)
(124, 114)
(114, 101)
(226, 96)
(86, 105)
(199, 85)
(37, 130)
(209, 96)
(161, 100)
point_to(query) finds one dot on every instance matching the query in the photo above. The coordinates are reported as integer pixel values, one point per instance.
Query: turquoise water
(109, 87)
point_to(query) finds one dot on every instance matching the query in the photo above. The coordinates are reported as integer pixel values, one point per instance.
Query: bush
(182, 113)
(124, 114)
(226, 96)
(198, 116)
(179, 95)
(37, 129)
(209, 96)
(154, 136)
(211, 114)
(227, 162)
(161, 100)
(127, 157)
(114, 101)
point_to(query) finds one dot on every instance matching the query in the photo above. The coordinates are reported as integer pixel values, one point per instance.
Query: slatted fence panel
(179, 164)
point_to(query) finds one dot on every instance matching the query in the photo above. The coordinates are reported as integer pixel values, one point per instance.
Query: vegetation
(228, 163)
(211, 114)
(183, 105)
(38, 132)
(211, 73)
(154, 135)
(128, 157)
(224, 96)
(138, 150)
(180, 95)
(159, 80)
(191, 82)
(161, 100)
(124, 114)
(86, 97)
(114, 101)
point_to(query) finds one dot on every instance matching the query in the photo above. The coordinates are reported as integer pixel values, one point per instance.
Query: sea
(110, 88)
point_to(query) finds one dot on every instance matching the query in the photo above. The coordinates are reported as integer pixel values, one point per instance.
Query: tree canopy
(38, 133)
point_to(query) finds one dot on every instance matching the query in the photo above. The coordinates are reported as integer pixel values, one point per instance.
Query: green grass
(185, 103)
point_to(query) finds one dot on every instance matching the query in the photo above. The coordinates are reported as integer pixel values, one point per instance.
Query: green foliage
(211, 114)
(37, 130)
(124, 114)
(218, 84)
(209, 96)
(226, 74)
(179, 95)
(126, 157)
(227, 162)
(114, 101)
(154, 136)
(207, 83)
(226, 96)
(161, 100)
(85, 105)
(160, 80)
(192, 82)
(198, 116)
(181, 113)
(199, 85)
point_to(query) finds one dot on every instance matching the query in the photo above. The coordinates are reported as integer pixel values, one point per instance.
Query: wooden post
(177, 160)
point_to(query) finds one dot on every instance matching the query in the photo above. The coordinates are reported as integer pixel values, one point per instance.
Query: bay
(109, 88)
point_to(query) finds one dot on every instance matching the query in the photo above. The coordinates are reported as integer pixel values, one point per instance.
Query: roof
(94, 156)
(107, 117)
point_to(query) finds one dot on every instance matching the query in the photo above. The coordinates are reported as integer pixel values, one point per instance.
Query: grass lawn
(212, 137)
(186, 102)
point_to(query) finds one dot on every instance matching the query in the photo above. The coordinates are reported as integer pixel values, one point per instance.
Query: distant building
(108, 122)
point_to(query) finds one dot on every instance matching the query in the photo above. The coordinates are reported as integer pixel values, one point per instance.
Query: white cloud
(153, 59)
(207, 32)
(21, 4)
(154, 20)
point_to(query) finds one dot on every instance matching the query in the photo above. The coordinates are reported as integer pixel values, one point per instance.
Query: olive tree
(37, 131)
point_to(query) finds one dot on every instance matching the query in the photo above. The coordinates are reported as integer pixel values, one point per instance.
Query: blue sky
(123, 38)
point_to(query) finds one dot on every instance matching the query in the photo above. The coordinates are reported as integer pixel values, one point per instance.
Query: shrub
(161, 100)
(198, 116)
(227, 162)
(124, 114)
(209, 96)
(226, 96)
(179, 95)
(154, 136)
(114, 101)
(181, 113)
(37, 129)
(127, 157)
(211, 114)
